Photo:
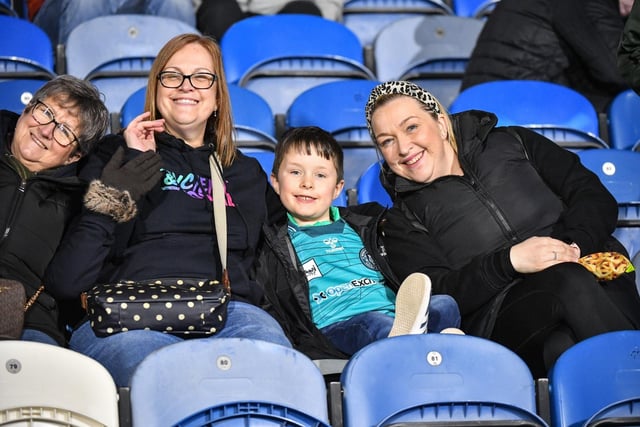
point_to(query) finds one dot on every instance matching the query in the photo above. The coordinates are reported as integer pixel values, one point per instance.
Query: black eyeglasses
(173, 79)
(62, 133)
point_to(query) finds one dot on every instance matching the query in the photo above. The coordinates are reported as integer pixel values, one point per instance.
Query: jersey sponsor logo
(311, 270)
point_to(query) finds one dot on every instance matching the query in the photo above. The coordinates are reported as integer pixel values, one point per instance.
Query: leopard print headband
(402, 88)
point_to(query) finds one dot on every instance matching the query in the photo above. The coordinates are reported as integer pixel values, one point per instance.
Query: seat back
(115, 52)
(295, 52)
(366, 18)
(194, 382)
(474, 8)
(338, 108)
(253, 119)
(25, 50)
(370, 188)
(595, 379)
(570, 120)
(431, 51)
(440, 379)
(42, 384)
(15, 94)
(618, 171)
(624, 126)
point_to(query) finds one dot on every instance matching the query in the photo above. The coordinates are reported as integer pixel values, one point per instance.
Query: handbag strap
(220, 215)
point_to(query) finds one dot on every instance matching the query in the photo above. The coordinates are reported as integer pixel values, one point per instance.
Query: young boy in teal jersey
(325, 271)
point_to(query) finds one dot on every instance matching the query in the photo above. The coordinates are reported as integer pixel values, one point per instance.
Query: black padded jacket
(569, 42)
(516, 184)
(286, 286)
(34, 213)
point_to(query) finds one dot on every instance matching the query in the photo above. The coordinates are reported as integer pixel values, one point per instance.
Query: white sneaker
(453, 331)
(412, 305)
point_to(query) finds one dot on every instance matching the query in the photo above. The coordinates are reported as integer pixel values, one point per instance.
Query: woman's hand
(140, 132)
(537, 253)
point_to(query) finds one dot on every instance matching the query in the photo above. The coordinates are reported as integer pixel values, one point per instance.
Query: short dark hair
(305, 138)
(84, 101)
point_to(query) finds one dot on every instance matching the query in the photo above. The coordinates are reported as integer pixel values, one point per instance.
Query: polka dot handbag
(183, 307)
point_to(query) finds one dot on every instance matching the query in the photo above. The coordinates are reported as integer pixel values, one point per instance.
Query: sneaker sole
(412, 303)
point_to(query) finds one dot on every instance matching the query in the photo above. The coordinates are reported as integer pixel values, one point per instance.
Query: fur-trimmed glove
(120, 185)
(138, 176)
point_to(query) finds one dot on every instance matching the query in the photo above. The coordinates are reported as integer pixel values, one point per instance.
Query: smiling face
(33, 144)
(414, 143)
(185, 108)
(307, 185)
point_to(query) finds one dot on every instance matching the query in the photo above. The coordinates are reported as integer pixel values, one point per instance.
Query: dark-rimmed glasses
(62, 133)
(173, 79)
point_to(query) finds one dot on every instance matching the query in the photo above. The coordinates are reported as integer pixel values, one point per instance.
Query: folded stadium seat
(596, 382)
(618, 170)
(370, 188)
(478, 9)
(431, 51)
(26, 51)
(367, 17)
(252, 117)
(46, 385)
(15, 94)
(338, 108)
(228, 381)
(438, 379)
(280, 56)
(624, 126)
(115, 52)
(571, 120)
(16, 8)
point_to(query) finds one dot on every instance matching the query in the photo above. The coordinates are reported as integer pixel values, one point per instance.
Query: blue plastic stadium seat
(432, 51)
(474, 8)
(370, 188)
(597, 382)
(338, 108)
(438, 379)
(25, 50)
(570, 120)
(115, 52)
(280, 56)
(230, 382)
(366, 18)
(624, 126)
(15, 94)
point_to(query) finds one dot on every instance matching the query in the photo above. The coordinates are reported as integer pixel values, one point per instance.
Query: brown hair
(303, 140)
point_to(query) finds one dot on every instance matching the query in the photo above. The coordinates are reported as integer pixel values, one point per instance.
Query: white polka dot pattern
(184, 307)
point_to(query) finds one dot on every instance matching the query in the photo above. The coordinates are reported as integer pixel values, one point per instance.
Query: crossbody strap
(220, 215)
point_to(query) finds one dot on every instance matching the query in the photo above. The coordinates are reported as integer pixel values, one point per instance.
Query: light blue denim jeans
(58, 17)
(37, 336)
(353, 334)
(121, 353)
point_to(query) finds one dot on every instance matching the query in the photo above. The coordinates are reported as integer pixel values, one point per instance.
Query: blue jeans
(353, 334)
(121, 353)
(37, 336)
(58, 17)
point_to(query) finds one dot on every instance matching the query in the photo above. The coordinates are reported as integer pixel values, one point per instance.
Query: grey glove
(137, 176)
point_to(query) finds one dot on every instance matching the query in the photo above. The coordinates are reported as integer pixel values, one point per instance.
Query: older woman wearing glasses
(39, 190)
(163, 226)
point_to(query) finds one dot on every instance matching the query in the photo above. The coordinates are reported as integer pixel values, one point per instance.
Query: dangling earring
(215, 114)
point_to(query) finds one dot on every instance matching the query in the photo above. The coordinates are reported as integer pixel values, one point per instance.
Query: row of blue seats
(326, 50)
(431, 379)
